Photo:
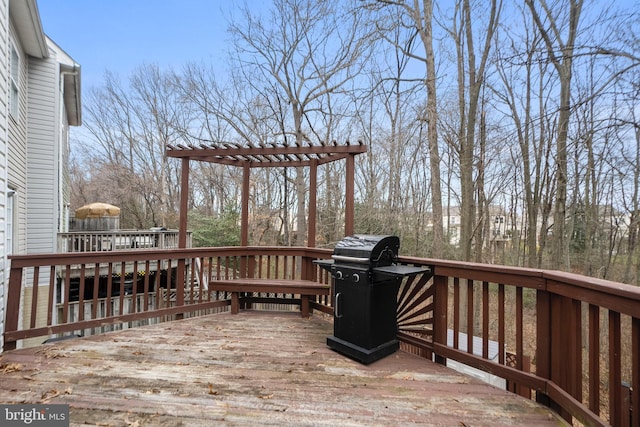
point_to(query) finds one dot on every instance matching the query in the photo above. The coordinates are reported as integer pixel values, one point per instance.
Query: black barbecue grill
(366, 281)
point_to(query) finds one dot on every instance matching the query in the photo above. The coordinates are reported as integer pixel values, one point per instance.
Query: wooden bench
(305, 288)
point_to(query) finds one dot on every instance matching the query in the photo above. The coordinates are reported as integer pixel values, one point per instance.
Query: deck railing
(63, 293)
(567, 341)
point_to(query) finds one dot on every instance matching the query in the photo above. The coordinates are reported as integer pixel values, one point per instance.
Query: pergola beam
(250, 156)
(235, 155)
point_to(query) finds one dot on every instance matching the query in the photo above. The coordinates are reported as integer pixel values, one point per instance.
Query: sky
(120, 35)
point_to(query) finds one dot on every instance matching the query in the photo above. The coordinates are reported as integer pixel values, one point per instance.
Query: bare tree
(560, 46)
(421, 16)
(522, 79)
(131, 126)
(471, 79)
(303, 51)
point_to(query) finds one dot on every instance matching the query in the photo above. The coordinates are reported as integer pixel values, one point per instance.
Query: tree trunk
(437, 247)
(563, 64)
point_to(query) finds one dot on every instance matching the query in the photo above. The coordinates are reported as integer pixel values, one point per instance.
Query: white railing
(118, 240)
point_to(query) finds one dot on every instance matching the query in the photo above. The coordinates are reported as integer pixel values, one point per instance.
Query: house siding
(41, 173)
(4, 108)
(17, 149)
(42, 156)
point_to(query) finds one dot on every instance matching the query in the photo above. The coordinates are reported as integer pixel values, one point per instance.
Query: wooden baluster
(543, 340)
(615, 369)
(109, 289)
(501, 325)
(34, 296)
(96, 290)
(456, 312)
(485, 320)
(470, 316)
(51, 301)
(81, 289)
(147, 274)
(635, 371)
(594, 359)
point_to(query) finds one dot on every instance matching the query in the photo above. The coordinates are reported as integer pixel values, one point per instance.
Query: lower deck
(254, 368)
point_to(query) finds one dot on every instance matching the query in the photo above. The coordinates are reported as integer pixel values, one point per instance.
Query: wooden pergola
(259, 156)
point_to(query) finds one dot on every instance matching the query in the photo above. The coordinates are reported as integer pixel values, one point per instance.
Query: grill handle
(337, 312)
(350, 259)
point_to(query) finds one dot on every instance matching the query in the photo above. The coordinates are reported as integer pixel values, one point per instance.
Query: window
(14, 89)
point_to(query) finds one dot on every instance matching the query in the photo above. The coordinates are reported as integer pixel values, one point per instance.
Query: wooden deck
(254, 368)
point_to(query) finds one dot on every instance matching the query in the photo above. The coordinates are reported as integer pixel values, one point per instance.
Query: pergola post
(184, 203)
(313, 189)
(244, 216)
(182, 233)
(349, 195)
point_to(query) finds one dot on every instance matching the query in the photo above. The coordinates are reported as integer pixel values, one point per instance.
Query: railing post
(441, 296)
(13, 304)
(566, 348)
(307, 271)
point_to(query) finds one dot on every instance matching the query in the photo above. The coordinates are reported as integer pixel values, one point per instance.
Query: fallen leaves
(51, 353)
(129, 423)
(50, 394)
(10, 367)
(211, 390)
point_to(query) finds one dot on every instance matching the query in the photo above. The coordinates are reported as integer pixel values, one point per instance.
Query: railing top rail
(472, 266)
(118, 231)
(32, 260)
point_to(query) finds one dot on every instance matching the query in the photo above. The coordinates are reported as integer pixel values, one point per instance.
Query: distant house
(499, 225)
(452, 222)
(39, 100)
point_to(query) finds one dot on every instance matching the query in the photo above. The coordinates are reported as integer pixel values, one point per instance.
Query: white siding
(17, 150)
(4, 108)
(42, 156)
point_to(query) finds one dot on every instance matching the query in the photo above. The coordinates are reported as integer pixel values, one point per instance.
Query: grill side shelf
(324, 263)
(401, 270)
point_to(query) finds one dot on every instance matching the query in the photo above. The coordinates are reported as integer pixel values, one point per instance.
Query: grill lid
(367, 249)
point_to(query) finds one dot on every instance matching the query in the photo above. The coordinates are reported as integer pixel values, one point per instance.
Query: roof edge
(30, 32)
(70, 75)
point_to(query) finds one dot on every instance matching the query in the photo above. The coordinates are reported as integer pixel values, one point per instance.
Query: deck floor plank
(254, 368)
